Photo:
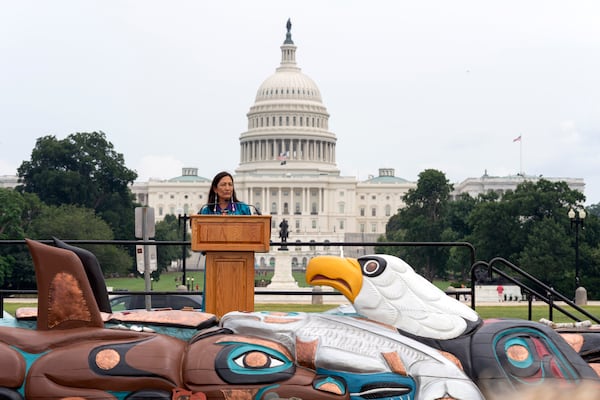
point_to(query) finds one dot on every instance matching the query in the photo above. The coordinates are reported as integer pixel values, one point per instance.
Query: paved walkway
(19, 300)
(524, 303)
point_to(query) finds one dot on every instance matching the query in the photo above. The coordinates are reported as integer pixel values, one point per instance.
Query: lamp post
(577, 219)
(183, 218)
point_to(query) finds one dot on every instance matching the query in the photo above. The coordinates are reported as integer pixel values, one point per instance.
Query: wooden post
(230, 243)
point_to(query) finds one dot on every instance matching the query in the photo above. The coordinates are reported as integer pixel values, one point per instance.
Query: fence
(530, 286)
(471, 250)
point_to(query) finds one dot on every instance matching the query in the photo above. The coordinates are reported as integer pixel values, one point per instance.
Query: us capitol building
(288, 169)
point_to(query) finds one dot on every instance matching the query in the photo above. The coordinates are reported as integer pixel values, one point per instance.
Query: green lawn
(537, 312)
(169, 281)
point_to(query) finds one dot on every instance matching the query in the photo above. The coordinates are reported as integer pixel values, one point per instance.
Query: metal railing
(329, 245)
(541, 291)
(535, 288)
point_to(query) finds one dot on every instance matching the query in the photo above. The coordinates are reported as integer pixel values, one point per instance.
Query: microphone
(207, 205)
(252, 206)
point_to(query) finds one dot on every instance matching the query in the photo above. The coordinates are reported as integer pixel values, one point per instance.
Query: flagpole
(521, 154)
(520, 140)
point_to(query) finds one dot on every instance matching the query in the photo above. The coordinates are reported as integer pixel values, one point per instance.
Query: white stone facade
(8, 181)
(500, 184)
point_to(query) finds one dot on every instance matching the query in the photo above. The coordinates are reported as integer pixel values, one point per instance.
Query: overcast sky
(409, 85)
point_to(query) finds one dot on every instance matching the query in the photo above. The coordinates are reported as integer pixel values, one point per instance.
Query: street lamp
(183, 218)
(577, 219)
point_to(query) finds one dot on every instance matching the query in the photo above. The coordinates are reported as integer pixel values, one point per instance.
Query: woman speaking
(222, 199)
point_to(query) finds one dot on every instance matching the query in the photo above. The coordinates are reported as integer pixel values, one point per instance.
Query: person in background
(500, 290)
(222, 199)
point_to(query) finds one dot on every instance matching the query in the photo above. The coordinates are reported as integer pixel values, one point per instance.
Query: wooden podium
(230, 243)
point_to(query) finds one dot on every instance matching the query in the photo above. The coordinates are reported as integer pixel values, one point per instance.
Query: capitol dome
(288, 124)
(286, 84)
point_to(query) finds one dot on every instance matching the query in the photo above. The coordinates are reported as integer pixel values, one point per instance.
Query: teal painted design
(380, 386)
(546, 359)
(331, 381)
(527, 362)
(30, 358)
(262, 391)
(119, 395)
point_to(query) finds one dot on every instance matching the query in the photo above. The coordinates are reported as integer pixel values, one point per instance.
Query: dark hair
(212, 196)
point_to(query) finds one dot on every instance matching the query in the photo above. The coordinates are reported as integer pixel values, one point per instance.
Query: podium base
(229, 282)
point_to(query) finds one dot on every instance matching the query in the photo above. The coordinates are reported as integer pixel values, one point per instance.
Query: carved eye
(372, 266)
(257, 360)
(242, 363)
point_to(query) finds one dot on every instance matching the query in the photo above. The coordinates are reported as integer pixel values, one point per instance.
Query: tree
(547, 255)
(17, 210)
(16, 214)
(495, 230)
(82, 169)
(591, 274)
(69, 222)
(168, 229)
(589, 254)
(543, 198)
(529, 227)
(594, 209)
(501, 228)
(422, 220)
(457, 229)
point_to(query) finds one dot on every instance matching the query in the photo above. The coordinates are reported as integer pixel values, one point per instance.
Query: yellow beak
(343, 274)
